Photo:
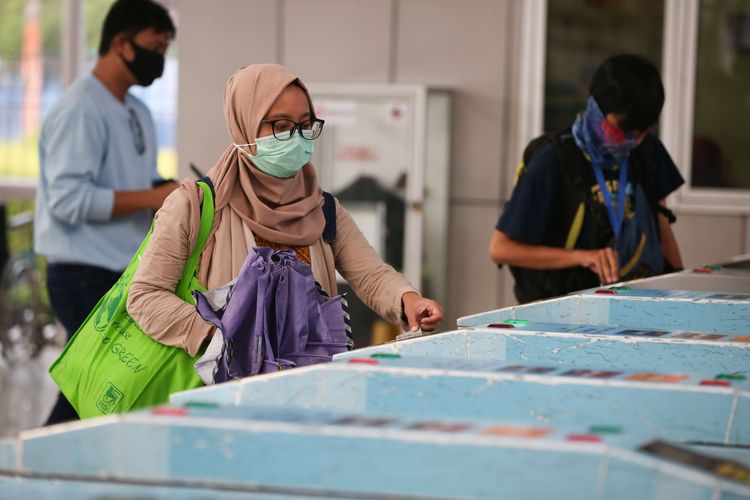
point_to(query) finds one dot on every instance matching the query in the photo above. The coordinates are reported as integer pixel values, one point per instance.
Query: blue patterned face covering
(605, 144)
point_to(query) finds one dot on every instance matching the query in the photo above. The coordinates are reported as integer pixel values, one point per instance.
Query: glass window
(30, 80)
(722, 96)
(580, 35)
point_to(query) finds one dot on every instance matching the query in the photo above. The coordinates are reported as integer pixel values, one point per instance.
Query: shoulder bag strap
(207, 222)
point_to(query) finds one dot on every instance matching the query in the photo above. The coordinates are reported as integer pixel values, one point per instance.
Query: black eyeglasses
(137, 130)
(283, 129)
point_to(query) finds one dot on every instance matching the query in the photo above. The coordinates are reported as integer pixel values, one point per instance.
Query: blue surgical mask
(281, 159)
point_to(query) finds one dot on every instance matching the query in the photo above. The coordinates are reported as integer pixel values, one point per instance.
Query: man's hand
(128, 202)
(603, 262)
(160, 193)
(421, 313)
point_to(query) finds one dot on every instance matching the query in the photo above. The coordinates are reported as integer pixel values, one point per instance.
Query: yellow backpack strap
(575, 227)
(519, 170)
(625, 270)
(574, 188)
(572, 167)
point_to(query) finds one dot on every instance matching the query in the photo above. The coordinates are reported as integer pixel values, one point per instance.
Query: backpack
(329, 212)
(576, 203)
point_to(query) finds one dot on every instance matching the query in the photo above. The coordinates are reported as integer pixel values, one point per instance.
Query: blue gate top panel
(581, 346)
(7, 454)
(46, 487)
(357, 455)
(723, 282)
(676, 406)
(707, 312)
(671, 336)
(685, 295)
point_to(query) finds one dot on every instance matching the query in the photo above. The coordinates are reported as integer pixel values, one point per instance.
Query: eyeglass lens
(284, 129)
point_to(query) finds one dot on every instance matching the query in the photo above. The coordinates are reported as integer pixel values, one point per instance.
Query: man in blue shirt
(98, 184)
(589, 204)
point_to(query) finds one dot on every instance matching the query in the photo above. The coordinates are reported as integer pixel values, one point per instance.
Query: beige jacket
(171, 321)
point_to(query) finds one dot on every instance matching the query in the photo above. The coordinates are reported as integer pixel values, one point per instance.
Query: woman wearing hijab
(266, 194)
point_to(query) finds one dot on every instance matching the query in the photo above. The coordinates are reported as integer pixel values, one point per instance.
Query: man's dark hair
(131, 17)
(629, 84)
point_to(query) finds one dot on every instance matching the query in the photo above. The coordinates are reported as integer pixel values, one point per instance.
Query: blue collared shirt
(92, 145)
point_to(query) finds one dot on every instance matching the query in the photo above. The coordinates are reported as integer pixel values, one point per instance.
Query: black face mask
(147, 65)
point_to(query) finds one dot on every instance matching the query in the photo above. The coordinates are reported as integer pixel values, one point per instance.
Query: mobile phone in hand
(160, 182)
(197, 171)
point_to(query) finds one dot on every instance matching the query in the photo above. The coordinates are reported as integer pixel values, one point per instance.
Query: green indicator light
(385, 355)
(619, 288)
(714, 267)
(516, 322)
(200, 404)
(730, 376)
(605, 429)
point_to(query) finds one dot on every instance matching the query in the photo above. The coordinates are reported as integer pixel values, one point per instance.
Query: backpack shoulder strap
(533, 146)
(532, 284)
(528, 153)
(329, 212)
(574, 186)
(573, 165)
(208, 182)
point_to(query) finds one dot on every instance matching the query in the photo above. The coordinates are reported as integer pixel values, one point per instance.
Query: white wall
(469, 46)
(709, 239)
(215, 38)
(464, 46)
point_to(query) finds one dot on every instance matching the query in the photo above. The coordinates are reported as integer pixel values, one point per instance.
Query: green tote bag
(110, 365)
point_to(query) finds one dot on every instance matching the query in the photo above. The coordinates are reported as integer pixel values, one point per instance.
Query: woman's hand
(420, 312)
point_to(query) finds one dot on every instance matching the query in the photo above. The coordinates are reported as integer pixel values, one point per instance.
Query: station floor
(27, 392)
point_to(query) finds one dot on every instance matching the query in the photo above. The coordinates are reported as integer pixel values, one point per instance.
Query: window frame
(680, 56)
(679, 66)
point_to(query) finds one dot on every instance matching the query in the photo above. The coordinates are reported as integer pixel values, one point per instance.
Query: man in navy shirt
(589, 204)
(97, 151)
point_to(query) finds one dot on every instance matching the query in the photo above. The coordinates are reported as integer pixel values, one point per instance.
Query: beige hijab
(286, 211)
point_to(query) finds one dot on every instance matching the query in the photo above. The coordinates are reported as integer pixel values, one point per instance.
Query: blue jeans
(74, 290)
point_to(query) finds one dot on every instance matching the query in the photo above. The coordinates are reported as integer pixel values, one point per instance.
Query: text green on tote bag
(110, 365)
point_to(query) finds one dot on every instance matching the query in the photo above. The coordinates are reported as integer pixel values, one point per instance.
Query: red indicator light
(584, 438)
(717, 383)
(364, 361)
(170, 411)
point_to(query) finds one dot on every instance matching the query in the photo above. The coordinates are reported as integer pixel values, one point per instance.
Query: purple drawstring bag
(246, 313)
(271, 317)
